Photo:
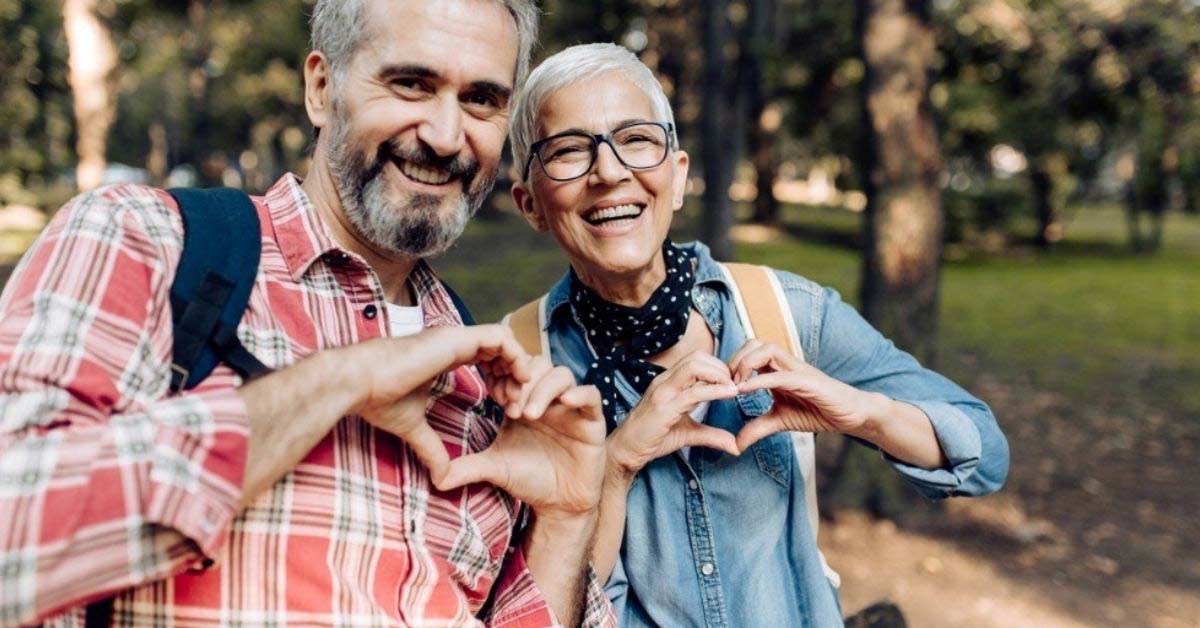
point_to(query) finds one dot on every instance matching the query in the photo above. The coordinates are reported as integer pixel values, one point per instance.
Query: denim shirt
(718, 540)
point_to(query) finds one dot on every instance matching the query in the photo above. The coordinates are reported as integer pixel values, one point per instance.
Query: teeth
(424, 175)
(609, 213)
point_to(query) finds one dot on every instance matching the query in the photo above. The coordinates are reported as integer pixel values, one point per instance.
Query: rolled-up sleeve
(848, 348)
(103, 484)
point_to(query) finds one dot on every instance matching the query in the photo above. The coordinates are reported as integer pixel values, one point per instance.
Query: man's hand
(396, 375)
(549, 452)
(806, 400)
(660, 424)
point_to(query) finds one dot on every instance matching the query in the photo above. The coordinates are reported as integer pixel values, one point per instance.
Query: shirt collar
(302, 235)
(707, 272)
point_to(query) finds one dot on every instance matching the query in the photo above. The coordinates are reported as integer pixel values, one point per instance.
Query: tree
(92, 63)
(722, 120)
(901, 164)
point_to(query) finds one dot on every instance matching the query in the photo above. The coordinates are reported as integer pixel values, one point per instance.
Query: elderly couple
(643, 461)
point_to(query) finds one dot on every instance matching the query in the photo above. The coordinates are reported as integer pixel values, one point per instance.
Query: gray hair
(339, 27)
(570, 66)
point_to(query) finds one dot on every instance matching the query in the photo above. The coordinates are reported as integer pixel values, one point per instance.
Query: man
(334, 490)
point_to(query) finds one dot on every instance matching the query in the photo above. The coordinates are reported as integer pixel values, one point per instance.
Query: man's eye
(408, 84)
(483, 100)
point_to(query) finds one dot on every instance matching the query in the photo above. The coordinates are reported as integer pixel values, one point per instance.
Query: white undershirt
(405, 320)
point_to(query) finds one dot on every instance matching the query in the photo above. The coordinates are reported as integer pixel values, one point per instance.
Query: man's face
(419, 118)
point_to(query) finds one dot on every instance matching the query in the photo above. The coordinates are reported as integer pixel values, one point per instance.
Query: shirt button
(693, 484)
(370, 312)
(707, 569)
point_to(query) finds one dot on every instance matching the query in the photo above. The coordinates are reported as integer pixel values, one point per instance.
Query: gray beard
(412, 226)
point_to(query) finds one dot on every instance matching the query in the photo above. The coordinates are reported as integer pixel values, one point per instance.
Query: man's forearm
(289, 412)
(557, 551)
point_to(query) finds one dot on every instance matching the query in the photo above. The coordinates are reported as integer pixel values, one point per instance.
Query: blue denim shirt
(717, 540)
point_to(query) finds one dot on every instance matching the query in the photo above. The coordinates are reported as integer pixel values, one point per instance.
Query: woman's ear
(317, 89)
(524, 201)
(679, 163)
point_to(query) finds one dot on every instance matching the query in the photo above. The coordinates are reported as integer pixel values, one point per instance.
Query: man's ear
(679, 163)
(524, 200)
(318, 89)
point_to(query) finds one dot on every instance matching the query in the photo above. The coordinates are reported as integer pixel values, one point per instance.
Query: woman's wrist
(879, 411)
(619, 468)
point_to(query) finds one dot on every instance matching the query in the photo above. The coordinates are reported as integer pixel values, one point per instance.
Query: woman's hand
(806, 400)
(660, 425)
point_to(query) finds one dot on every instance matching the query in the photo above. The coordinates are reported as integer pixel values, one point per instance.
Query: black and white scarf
(623, 337)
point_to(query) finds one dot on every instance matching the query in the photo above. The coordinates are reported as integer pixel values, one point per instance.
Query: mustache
(458, 167)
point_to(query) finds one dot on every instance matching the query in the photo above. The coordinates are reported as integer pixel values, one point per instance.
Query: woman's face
(612, 220)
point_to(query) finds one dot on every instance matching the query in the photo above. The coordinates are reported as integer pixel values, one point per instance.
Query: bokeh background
(1008, 188)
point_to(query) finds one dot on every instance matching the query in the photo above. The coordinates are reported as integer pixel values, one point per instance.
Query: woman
(703, 520)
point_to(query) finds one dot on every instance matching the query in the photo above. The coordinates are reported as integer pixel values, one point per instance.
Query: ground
(1090, 358)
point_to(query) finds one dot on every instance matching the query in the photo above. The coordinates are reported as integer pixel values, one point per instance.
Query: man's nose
(608, 168)
(442, 130)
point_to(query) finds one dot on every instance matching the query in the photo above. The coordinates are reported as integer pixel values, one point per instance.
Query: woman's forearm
(610, 529)
(905, 433)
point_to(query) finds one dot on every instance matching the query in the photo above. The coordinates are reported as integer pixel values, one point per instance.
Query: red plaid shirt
(108, 484)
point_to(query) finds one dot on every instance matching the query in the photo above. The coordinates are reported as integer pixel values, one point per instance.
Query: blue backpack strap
(222, 244)
(463, 312)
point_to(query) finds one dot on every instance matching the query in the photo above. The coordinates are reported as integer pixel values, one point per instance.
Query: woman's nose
(608, 168)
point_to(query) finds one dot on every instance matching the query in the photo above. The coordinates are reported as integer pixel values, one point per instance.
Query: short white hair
(570, 66)
(339, 28)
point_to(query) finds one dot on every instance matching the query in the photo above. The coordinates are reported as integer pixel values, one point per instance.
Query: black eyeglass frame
(596, 139)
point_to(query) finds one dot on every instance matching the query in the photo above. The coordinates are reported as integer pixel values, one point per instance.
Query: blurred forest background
(1008, 188)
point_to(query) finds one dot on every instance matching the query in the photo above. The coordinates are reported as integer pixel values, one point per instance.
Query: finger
(469, 469)
(699, 394)
(428, 447)
(758, 358)
(697, 367)
(737, 358)
(495, 346)
(585, 399)
(538, 367)
(757, 430)
(778, 380)
(546, 390)
(699, 435)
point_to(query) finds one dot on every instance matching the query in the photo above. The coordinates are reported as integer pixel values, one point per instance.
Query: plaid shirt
(109, 484)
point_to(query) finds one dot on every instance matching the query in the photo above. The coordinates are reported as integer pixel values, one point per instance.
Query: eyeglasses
(571, 155)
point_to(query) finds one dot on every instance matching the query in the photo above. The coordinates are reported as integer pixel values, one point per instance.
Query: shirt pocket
(774, 457)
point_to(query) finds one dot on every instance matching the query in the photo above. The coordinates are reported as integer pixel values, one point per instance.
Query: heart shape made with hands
(805, 399)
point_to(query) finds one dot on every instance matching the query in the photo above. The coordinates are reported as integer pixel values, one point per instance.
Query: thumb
(697, 435)
(757, 430)
(469, 469)
(427, 445)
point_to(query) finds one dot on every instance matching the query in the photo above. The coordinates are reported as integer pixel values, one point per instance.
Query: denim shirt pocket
(773, 454)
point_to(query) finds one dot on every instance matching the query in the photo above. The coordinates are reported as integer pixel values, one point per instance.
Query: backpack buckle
(179, 378)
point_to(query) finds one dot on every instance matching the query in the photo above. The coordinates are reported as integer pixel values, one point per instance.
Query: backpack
(763, 312)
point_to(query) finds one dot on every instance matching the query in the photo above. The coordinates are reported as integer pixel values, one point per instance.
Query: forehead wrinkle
(611, 92)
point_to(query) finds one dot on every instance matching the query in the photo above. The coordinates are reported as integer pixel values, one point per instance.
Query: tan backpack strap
(763, 307)
(526, 325)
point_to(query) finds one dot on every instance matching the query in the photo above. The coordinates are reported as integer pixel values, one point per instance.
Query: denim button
(693, 484)
(707, 569)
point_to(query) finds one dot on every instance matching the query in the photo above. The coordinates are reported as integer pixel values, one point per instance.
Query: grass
(1088, 320)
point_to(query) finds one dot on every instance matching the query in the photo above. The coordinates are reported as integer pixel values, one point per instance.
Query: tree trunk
(1042, 185)
(901, 164)
(722, 118)
(764, 114)
(904, 222)
(91, 65)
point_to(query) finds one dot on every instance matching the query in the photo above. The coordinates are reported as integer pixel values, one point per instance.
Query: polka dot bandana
(623, 337)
